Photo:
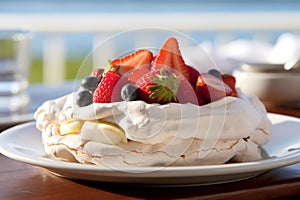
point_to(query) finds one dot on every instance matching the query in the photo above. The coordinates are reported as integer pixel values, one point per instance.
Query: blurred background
(65, 31)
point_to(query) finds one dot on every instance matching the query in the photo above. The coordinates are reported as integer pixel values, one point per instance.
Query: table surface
(23, 181)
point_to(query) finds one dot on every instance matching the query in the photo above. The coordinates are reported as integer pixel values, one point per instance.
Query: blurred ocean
(136, 6)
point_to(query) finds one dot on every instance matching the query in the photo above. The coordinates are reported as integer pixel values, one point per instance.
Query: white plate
(23, 143)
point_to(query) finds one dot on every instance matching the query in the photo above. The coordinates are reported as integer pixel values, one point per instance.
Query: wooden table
(23, 181)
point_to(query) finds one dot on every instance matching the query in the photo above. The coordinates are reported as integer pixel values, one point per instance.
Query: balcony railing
(224, 25)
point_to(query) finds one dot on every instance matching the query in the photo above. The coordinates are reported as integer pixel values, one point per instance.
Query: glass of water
(15, 60)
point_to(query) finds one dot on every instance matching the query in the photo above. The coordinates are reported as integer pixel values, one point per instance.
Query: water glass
(15, 60)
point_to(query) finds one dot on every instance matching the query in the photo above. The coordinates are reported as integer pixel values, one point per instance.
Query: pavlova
(146, 110)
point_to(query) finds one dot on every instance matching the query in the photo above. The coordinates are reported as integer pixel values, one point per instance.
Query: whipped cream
(158, 135)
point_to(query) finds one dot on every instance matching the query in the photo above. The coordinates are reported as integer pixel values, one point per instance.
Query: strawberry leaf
(165, 86)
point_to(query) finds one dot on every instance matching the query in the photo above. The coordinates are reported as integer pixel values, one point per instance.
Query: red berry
(230, 81)
(187, 93)
(212, 88)
(137, 74)
(139, 59)
(98, 73)
(158, 86)
(105, 92)
(193, 73)
(169, 55)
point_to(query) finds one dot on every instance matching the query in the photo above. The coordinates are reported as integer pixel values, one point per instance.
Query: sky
(96, 6)
(137, 6)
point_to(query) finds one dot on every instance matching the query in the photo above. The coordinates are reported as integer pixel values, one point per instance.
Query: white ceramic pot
(273, 88)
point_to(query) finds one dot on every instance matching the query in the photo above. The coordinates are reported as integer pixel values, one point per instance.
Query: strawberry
(158, 86)
(105, 90)
(188, 94)
(137, 74)
(169, 55)
(193, 73)
(230, 81)
(139, 59)
(212, 88)
(200, 99)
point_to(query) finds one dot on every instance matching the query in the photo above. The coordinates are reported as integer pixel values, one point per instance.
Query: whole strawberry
(105, 91)
(158, 86)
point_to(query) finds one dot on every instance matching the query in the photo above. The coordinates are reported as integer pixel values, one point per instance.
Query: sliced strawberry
(212, 88)
(230, 81)
(193, 73)
(105, 90)
(137, 74)
(139, 59)
(158, 86)
(169, 55)
(154, 58)
(188, 94)
(201, 100)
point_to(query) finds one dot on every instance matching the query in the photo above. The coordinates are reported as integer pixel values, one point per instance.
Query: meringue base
(160, 135)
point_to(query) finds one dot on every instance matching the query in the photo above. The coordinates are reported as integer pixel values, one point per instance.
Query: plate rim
(174, 171)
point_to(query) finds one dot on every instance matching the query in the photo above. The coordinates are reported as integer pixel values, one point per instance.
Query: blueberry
(129, 92)
(84, 98)
(90, 83)
(215, 73)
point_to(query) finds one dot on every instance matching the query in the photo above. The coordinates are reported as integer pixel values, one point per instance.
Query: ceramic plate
(24, 143)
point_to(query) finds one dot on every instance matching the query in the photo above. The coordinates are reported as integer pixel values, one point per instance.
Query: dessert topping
(212, 88)
(84, 98)
(169, 55)
(90, 83)
(129, 92)
(215, 73)
(139, 59)
(137, 74)
(105, 90)
(98, 73)
(230, 81)
(193, 73)
(162, 78)
(158, 86)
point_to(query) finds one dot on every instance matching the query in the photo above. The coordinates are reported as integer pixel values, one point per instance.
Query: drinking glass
(15, 60)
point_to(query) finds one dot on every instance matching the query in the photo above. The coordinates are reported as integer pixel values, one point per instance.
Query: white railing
(103, 25)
